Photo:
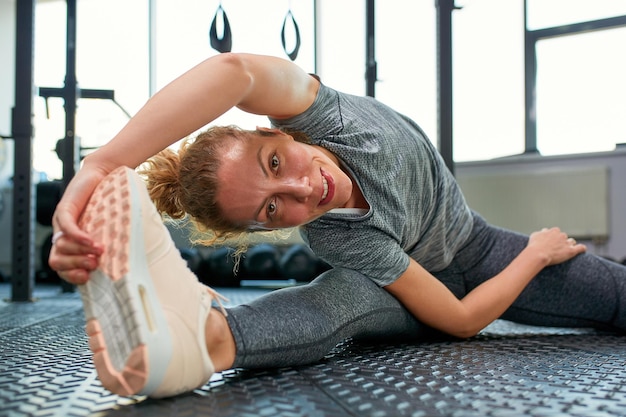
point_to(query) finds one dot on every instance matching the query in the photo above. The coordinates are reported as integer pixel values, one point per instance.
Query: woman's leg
(301, 325)
(587, 291)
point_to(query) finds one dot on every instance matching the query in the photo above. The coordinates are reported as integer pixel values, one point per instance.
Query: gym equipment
(262, 265)
(261, 262)
(218, 268)
(225, 43)
(22, 265)
(294, 53)
(48, 196)
(299, 263)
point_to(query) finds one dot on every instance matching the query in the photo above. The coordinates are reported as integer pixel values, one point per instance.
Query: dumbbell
(48, 196)
(298, 262)
(216, 267)
(261, 262)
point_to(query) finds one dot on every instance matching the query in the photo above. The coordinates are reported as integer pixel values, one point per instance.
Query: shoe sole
(127, 330)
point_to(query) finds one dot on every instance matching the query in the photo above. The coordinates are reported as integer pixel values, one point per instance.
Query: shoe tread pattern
(120, 356)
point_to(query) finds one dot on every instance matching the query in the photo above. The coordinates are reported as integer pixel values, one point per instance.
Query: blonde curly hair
(183, 184)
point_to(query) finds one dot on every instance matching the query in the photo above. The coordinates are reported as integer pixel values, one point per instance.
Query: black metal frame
(444, 81)
(371, 67)
(444, 71)
(23, 269)
(23, 232)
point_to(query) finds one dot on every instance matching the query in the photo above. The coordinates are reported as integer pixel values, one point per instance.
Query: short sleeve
(373, 253)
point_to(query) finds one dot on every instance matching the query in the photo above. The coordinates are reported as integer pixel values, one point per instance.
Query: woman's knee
(366, 307)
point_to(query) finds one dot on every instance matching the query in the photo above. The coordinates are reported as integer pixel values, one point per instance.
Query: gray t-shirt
(416, 206)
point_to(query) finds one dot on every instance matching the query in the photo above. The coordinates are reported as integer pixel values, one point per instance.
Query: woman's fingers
(74, 253)
(73, 260)
(557, 245)
(68, 262)
(66, 222)
(75, 276)
(64, 245)
(74, 269)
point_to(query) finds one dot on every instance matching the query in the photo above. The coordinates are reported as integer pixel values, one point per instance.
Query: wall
(615, 162)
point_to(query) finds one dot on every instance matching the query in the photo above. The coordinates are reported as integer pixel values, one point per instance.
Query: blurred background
(573, 175)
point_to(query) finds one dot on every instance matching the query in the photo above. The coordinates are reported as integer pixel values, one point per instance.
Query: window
(581, 92)
(488, 68)
(111, 54)
(182, 38)
(550, 13)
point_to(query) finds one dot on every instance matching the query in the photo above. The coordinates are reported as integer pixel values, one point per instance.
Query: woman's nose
(299, 188)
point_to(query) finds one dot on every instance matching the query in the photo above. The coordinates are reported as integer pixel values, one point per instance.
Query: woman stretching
(370, 195)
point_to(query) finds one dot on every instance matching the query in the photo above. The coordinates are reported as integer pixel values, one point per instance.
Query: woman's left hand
(555, 245)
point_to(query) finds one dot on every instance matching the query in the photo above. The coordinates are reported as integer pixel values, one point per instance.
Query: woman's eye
(274, 163)
(271, 208)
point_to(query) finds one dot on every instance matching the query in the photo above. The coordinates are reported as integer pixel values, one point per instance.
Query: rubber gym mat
(508, 370)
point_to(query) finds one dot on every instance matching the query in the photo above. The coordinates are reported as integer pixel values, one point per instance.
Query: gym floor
(507, 370)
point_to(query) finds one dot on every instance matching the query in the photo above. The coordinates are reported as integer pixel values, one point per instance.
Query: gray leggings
(301, 325)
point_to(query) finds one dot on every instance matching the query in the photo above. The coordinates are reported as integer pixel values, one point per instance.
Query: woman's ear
(267, 129)
(270, 130)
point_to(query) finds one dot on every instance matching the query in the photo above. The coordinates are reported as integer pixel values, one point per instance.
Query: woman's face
(271, 182)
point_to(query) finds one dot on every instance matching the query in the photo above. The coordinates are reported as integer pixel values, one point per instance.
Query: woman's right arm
(433, 304)
(257, 84)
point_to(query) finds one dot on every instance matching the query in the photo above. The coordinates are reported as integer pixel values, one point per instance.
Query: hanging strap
(293, 54)
(225, 43)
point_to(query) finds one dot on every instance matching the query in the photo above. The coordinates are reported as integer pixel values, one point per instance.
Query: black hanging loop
(225, 43)
(293, 54)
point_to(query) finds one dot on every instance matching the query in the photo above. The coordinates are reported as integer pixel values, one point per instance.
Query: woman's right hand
(74, 253)
(555, 245)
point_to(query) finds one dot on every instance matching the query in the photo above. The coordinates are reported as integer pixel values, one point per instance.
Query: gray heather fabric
(416, 206)
(300, 325)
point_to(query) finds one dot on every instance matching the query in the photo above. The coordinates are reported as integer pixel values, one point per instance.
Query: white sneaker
(145, 310)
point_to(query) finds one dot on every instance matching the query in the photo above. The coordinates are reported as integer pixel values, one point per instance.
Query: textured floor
(509, 370)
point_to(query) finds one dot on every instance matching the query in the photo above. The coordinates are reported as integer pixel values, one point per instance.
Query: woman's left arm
(433, 304)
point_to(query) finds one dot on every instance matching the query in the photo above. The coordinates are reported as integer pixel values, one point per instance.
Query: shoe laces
(218, 298)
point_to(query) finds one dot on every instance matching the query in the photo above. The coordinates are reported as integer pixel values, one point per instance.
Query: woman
(371, 196)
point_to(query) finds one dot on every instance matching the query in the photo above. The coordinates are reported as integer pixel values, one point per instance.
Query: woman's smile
(328, 188)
